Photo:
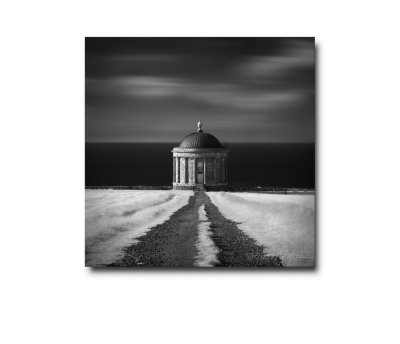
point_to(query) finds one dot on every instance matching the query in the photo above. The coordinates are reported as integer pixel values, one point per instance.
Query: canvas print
(200, 152)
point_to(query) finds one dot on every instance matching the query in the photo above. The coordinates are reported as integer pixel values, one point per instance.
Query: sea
(290, 165)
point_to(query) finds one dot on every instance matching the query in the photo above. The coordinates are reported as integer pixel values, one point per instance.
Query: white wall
(47, 296)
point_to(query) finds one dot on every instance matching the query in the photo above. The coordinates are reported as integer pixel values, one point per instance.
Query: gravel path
(173, 243)
(236, 248)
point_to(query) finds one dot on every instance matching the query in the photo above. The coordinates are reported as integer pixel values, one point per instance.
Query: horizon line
(226, 142)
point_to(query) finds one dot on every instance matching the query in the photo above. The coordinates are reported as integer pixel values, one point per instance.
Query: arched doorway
(200, 171)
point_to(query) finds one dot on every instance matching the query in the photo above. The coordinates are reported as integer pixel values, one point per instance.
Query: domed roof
(200, 139)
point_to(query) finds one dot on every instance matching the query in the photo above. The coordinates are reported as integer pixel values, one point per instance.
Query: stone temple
(200, 163)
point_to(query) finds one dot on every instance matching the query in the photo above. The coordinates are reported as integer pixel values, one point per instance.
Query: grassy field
(283, 224)
(115, 218)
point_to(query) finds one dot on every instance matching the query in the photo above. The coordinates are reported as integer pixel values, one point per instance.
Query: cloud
(145, 86)
(299, 54)
(244, 89)
(217, 94)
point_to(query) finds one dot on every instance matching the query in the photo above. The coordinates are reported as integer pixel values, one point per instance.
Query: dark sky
(242, 89)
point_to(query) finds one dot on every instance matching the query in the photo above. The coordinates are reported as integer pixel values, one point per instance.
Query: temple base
(200, 187)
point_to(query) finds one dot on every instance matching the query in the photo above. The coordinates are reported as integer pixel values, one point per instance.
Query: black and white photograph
(182, 172)
(200, 152)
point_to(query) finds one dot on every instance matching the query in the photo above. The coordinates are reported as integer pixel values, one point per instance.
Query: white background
(47, 296)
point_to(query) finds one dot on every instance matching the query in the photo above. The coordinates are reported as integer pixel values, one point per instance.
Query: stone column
(191, 171)
(226, 169)
(173, 169)
(195, 170)
(182, 171)
(223, 169)
(215, 169)
(204, 169)
(177, 170)
(186, 170)
(210, 170)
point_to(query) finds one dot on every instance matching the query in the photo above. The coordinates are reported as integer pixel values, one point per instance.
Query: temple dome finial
(199, 124)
